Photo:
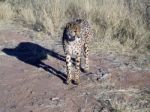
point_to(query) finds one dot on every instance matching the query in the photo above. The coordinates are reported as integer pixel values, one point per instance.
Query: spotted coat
(75, 38)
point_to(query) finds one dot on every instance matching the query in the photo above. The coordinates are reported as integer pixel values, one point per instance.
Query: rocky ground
(32, 75)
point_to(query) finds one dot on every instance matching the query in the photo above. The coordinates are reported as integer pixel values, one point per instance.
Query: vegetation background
(119, 26)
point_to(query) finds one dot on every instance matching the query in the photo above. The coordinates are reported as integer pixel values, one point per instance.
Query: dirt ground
(32, 75)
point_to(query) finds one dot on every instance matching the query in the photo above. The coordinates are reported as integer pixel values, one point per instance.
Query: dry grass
(6, 12)
(119, 26)
(123, 100)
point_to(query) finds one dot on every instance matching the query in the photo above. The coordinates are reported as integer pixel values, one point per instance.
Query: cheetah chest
(75, 47)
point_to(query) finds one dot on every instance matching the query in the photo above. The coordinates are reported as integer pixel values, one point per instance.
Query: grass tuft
(119, 26)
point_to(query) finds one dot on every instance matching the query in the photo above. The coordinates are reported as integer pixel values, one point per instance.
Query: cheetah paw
(86, 69)
(68, 82)
(76, 82)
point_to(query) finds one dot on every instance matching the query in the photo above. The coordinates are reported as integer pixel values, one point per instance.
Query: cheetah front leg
(86, 51)
(77, 75)
(68, 64)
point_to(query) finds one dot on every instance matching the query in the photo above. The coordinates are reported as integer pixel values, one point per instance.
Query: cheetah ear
(78, 29)
(68, 25)
(78, 34)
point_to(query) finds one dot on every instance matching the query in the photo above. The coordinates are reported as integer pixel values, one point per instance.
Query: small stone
(49, 33)
(55, 98)
(102, 73)
(13, 106)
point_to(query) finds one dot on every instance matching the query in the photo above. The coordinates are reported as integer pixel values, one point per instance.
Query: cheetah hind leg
(86, 54)
(68, 64)
(77, 75)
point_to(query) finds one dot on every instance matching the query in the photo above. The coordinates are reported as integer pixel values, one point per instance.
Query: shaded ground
(32, 72)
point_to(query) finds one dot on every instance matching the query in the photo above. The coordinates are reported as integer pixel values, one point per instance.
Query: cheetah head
(72, 31)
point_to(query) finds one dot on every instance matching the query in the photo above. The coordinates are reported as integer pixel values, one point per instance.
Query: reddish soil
(30, 82)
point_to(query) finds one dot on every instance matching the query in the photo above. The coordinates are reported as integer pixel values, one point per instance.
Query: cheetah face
(72, 32)
(71, 35)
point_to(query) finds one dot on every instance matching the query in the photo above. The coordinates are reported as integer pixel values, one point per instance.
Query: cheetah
(75, 38)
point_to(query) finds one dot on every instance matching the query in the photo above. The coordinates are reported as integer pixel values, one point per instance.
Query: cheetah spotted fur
(76, 37)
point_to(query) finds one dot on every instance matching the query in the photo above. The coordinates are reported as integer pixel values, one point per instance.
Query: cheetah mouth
(71, 38)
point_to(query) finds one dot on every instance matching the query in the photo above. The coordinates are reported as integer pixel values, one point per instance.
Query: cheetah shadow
(33, 54)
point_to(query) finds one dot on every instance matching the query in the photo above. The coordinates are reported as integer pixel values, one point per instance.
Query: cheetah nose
(71, 38)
